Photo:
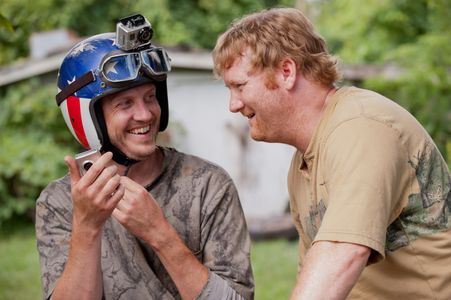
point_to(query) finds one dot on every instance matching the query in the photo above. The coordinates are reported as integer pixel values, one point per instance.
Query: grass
(19, 265)
(274, 264)
(275, 267)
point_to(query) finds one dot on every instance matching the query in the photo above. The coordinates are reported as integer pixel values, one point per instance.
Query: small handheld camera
(133, 32)
(86, 159)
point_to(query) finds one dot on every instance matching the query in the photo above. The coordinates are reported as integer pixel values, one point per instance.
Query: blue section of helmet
(84, 57)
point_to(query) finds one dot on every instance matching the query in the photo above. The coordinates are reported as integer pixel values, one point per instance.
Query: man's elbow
(359, 256)
(362, 252)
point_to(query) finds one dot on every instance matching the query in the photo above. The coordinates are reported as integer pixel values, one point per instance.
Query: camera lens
(145, 35)
(87, 165)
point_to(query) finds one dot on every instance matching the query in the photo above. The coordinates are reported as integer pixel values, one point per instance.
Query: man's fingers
(119, 215)
(123, 206)
(97, 168)
(111, 186)
(73, 169)
(108, 180)
(129, 184)
(116, 196)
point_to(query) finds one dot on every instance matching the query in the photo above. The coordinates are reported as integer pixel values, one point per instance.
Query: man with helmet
(144, 221)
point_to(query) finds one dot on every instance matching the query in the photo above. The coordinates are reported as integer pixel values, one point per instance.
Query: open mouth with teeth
(142, 130)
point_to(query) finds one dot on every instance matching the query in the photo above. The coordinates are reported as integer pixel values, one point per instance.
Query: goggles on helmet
(125, 67)
(120, 68)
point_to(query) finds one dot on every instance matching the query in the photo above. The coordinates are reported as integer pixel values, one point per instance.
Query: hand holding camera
(97, 192)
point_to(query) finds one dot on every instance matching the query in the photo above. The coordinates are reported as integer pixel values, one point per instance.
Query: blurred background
(399, 48)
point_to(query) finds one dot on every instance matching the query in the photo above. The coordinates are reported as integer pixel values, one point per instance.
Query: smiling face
(257, 98)
(133, 117)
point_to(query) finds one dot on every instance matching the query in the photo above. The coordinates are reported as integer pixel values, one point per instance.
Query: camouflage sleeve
(217, 288)
(226, 244)
(53, 223)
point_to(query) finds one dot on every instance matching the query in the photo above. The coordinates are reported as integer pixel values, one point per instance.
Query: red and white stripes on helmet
(76, 113)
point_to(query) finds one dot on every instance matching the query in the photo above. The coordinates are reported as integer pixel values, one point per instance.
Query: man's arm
(187, 272)
(92, 206)
(223, 270)
(141, 215)
(82, 272)
(330, 270)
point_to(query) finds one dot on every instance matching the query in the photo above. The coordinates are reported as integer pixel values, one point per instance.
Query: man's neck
(145, 171)
(313, 103)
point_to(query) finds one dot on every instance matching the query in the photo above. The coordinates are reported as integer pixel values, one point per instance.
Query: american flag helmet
(97, 67)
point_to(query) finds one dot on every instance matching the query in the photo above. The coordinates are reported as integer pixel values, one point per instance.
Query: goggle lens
(156, 60)
(121, 67)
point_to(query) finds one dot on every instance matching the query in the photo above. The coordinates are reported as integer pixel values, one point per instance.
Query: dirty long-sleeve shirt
(200, 201)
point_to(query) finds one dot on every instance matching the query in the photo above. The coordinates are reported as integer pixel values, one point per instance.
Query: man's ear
(289, 72)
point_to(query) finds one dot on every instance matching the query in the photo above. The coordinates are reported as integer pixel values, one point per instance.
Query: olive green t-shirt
(371, 175)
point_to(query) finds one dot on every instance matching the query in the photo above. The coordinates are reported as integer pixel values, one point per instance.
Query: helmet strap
(118, 155)
(75, 86)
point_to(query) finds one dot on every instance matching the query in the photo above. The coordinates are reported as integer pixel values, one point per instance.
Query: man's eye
(123, 103)
(149, 98)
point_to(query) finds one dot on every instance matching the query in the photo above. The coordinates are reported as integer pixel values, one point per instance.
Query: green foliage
(26, 17)
(30, 157)
(188, 22)
(415, 36)
(5, 23)
(364, 32)
(204, 20)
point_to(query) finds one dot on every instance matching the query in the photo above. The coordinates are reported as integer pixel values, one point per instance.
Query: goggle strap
(74, 86)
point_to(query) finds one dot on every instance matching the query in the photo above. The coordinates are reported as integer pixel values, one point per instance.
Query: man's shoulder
(57, 189)
(352, 102)
(188, 171)
(363, 105)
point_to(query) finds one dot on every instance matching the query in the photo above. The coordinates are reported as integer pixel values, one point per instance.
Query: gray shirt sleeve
(53, 227)
(217, 288)
(226, 250)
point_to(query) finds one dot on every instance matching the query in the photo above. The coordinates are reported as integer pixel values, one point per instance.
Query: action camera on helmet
(133, 32)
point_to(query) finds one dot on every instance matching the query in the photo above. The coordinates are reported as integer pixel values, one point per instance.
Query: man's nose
(142, 112)
(235, 104)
